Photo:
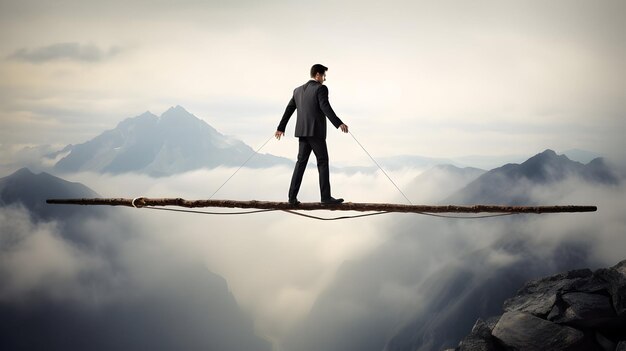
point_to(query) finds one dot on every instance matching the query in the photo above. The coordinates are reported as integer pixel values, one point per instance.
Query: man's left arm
(322, 97)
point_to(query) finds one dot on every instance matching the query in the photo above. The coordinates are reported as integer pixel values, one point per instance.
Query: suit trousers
(318, 146)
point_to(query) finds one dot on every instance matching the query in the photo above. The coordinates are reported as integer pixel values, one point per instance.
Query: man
(311, 101)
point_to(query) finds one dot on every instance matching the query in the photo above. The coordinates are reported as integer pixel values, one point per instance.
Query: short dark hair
(317, 68)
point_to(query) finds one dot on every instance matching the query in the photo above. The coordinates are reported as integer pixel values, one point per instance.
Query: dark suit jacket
(311, 101)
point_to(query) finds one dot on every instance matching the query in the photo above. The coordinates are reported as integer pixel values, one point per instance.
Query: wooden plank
(309, 206)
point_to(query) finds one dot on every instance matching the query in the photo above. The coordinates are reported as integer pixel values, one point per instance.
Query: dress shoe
(294, 202)
(332, 201)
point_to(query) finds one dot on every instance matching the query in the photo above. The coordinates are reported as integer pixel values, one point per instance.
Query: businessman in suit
(311, 101)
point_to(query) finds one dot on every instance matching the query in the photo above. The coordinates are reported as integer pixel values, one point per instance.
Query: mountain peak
(26, 174)
(22, 172)
(549, 152)
(177, 114)
(32, 190)
(175, 142)
(147, 113)
(548, 157)
(508, 184)
(178, 110)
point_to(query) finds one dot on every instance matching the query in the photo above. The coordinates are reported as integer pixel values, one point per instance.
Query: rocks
(583, 310)
(492, 321)
(480, 339)
(538, 296)
(616, 278)
(575, 310)
(523, 331)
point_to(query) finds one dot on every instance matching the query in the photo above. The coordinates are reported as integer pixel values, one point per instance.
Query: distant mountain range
(509, 184)
(175, 142)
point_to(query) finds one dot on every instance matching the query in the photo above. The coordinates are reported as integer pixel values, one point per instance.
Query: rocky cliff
(576, 310)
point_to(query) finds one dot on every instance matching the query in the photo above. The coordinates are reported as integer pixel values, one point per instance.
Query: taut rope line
(353, 137)
(388, 177)
(244, 163)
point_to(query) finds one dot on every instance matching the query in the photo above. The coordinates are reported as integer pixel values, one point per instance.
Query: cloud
(35, 157)
(445, 74)
(37, 259)
(89, 53)
(107, 282)
(275, 263)
(285, 269)
(443, 274)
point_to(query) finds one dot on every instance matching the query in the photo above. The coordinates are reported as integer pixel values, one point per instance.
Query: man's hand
(279, 134)
(344, 128)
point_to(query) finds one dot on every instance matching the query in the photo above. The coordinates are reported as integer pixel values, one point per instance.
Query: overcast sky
(434, 78)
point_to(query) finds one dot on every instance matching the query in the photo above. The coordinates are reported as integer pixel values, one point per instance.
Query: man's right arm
(291, 107)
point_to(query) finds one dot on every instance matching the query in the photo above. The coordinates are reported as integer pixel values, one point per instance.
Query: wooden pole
(308, 206)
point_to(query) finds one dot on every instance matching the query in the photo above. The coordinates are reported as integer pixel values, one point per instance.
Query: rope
(334, 218)
(208, 212)
(388, 177)
(265, 210)
(465, 217)
(294, 212)
(246, 161)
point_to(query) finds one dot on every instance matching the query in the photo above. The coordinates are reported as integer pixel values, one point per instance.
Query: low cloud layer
(296, 276)
(276, 263)
(36, 259)
(431, 278)
(89, 53)
(104, 282)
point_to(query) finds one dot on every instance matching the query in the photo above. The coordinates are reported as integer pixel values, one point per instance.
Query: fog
(35, 257)
(104, 282)
(305, 284)
(275, 263)
(430, 279)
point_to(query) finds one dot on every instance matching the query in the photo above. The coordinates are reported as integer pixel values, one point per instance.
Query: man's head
(318, 72)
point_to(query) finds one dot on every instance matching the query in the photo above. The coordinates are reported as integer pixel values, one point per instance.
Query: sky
(441, 79)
